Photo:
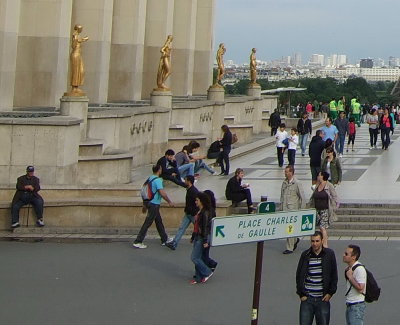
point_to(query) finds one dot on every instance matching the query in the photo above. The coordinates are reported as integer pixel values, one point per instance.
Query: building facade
(122, 54)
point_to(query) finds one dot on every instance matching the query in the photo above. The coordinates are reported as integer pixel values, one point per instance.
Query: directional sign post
(265, 225)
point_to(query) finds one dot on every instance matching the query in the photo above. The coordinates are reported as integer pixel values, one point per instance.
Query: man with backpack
(155, 183)
(356, 280)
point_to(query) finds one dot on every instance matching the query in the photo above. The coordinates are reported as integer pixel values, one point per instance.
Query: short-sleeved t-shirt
(360, 275)
(329, 133)
(156, 185)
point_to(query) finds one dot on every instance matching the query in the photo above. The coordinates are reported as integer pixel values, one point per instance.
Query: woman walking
(206, 253)
(332, 166)
(200, 238)
(373, 122)
(386, 125)
(226, 144)
(324, 200)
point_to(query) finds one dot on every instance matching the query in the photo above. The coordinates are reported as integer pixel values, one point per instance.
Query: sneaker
(139, 245)
(15, 225)
(40, 223)
(214, 174)
(196, 175)
(313, 187)
(169, 240)
(340, 155)
(204, 280)
(287, 252)
(171, 245)
(371, 148)
(193, 281)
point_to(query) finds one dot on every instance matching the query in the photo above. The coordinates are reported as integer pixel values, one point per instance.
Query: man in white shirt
(356, 277)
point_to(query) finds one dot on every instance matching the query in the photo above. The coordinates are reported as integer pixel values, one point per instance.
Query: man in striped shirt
(316, 282)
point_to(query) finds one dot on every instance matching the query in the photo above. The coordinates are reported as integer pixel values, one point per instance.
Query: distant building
(366, 63)
(296, 60)
(317, 59)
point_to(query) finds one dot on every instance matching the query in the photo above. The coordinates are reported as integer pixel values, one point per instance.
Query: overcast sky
(357, 28)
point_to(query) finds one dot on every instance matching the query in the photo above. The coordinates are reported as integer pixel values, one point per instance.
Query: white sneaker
(340, 155)
(313, 187)
(139, 245)
(371, 148)
(15, 225)
(169, 240)
(214, 173)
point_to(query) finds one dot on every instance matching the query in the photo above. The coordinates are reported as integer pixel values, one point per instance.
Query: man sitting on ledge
(170, 170)
(28, 187)
(237, 192)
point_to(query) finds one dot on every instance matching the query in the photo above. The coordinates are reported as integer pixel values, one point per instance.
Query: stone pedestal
(254, 90)
(216, 93)
(76, 107)
(161, 98)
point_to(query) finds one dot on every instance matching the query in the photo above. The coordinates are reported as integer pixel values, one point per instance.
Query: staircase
(367, 220)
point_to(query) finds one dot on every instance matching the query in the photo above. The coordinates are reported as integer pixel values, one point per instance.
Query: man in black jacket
(304, 128)
(28, 187)
(315, 149)
(274, 121)
(237, 192)
(316, 282)
(190, 211)
(170, 171)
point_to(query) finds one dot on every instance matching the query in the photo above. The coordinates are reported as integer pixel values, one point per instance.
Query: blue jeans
(186, 221)
(201, 164)
(315, 307)
(202, 270)
(355, 314)
(186, 169)
(303, 142)
(339, 145)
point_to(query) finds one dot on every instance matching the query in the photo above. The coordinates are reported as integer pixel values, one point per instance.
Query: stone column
(203, 55)
(9, 24)
(42, 52)
(127, 42)
(161, 98)
(96, 19)
(254, 90)
(76, 107)
(185, 15)
(159, 24)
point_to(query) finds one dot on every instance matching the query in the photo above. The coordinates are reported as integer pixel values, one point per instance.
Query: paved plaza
(62, 284)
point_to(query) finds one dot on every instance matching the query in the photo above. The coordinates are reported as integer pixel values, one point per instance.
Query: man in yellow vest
(341, 104)
(356, 111)
(333, 109)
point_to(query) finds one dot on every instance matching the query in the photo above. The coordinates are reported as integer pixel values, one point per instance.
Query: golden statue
(220, 62)
(164, 67)
(253, 68)
(77, 67)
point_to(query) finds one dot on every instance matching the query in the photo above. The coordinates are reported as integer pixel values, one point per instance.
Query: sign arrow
(218, 230)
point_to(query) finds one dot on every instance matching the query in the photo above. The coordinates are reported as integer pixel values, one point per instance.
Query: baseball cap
(30, 169)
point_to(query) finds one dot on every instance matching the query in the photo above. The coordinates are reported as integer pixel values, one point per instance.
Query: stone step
(91, 147)
(368, 211)
(366, 225)
(369, 218)
(363, 233)
(175, 130)
(177, 143)
(370, 205)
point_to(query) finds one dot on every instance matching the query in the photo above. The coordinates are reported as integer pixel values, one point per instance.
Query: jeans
(224, 158)
(153, 214)
(339, 145)
(355, 314)
(303, 142)
(206, 256)
(27, 198)
(175, 179)
(279, 152)
(186, 169)
(315, 307)
(186, 221)
(373, 136)
(385, 137)
(291, 155)
(202, 270)
(244, 194)
(201, 164)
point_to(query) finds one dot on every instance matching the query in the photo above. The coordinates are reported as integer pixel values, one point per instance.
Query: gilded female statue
(164, 67)
(77, 67)
(220, 62)
(253, 67)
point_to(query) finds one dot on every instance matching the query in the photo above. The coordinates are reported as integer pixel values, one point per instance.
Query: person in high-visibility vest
(333, 109)
(356, 111)
(341, 104)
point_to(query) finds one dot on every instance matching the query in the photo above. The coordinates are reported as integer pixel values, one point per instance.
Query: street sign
(260, 227)
(266, 207)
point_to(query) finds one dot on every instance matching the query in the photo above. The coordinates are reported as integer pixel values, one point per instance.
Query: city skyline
(282, 28)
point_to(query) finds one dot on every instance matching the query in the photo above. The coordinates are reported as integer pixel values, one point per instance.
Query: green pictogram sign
(307, 222)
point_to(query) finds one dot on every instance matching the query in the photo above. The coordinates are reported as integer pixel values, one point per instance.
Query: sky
(357, 28)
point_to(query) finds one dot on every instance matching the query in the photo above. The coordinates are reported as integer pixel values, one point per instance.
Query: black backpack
(373, 291)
